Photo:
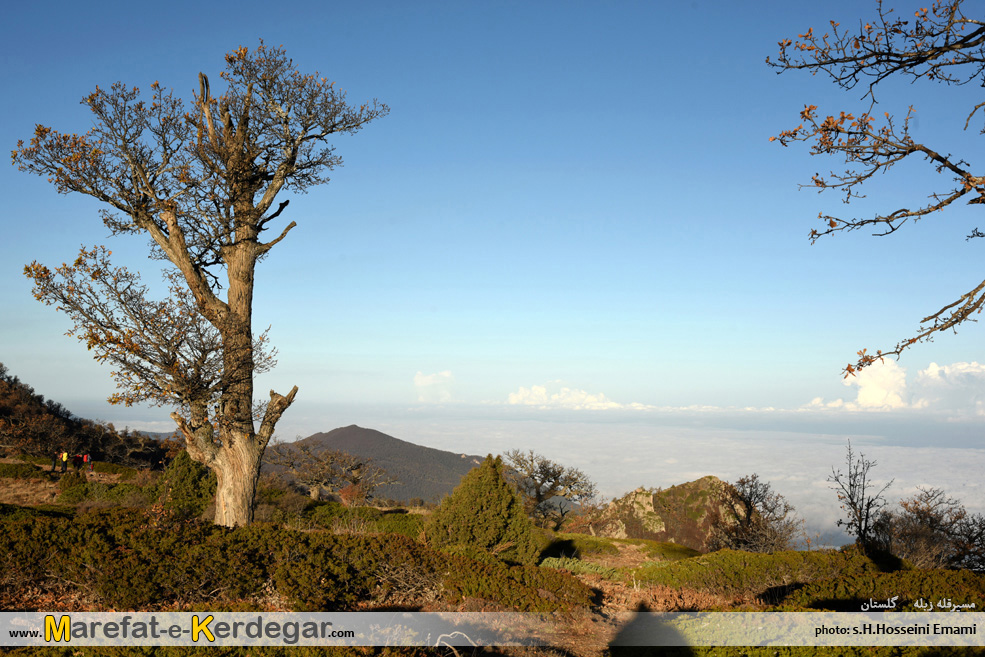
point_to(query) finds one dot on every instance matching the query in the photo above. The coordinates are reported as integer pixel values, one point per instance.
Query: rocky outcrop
(682, 514)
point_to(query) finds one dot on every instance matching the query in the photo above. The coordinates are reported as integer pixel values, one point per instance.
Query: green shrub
(517, 588)
(71, 480)
(471, 553)
(186, 488)
(279, 505)
(486, 513)
(406, 524)
(117, 494)
(74, 495)
(118, 558)
(731, 572)
(20, 471)
(910, 586)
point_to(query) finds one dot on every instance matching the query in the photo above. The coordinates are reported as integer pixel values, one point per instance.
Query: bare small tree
(860, 504)
(351, 478)
(755, 518)
(549, 488)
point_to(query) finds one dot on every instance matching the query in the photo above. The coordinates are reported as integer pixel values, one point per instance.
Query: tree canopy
(546, 485)
(938, 44)
(352, 478)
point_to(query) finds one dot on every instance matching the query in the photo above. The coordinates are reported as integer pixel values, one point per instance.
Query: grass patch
(661, 550)
(104, 467)
(334, 516)
(576, 546)
(14, 512)
(579, 567)
(36, 460)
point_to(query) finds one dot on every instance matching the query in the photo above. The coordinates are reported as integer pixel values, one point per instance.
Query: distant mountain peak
(423, 472)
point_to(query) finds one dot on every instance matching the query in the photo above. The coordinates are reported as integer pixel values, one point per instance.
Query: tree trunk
(235, 458)
(237, 468)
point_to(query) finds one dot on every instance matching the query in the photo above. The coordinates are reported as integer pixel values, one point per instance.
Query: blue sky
(572, 207)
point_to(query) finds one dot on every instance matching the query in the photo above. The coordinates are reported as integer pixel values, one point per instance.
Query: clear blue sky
(570, 204)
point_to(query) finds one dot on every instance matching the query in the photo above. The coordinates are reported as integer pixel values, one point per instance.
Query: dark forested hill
(424, 472)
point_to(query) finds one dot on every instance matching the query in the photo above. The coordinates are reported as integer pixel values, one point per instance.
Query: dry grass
(43, 489)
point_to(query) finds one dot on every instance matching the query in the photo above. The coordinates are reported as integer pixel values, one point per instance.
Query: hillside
(681, 514)
(31, 424)
(423, 472)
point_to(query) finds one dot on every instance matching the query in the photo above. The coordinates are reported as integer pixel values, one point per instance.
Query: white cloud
(434, 388)
(954, 387)
(567, 398)
(881, 386)
(958, 389)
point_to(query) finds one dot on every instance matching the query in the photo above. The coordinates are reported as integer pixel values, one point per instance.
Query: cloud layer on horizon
(957, 389)
(553, 395)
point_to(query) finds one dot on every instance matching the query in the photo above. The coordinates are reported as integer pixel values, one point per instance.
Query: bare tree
(970, 540)
(855, 493)
(932, 530)
(754, 517)
(549, 488)
(351, 478)
(940, 44)
(202, 184)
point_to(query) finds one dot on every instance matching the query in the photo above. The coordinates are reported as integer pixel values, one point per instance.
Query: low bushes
(517, 588)
(731, 572)
(20, 471)
(908, 586)
(9, 512)
(119, 559)
(71, 480)
(76, 489)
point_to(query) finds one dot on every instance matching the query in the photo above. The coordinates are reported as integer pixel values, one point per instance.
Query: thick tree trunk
(237, 468)
(235, 458)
